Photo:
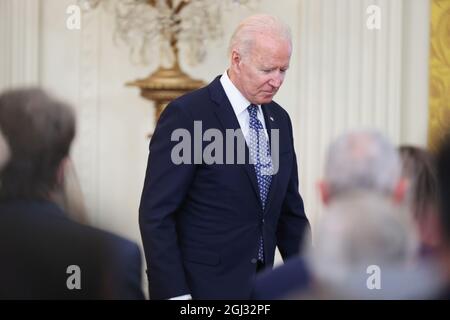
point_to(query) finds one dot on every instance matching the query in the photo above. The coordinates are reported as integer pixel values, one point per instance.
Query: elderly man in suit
(209, 226)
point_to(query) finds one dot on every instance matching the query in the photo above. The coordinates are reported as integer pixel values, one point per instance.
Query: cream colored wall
(341, 76)
(353, 77)
(85, 68)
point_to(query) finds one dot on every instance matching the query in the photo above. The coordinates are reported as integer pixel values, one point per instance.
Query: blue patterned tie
(260, 155)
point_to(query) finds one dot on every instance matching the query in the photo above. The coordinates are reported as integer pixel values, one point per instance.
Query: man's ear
(324, 192)
(235, 60)
(400, 190)
(60, 172)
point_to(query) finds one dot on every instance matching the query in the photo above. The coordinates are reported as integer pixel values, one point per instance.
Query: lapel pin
(271, 119)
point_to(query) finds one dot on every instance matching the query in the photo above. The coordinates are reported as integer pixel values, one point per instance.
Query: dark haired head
(39, 130)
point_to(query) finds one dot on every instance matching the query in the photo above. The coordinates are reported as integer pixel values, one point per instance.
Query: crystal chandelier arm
(144, 23)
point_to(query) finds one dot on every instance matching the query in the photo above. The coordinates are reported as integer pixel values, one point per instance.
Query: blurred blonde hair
(362, 232)
(69, 195)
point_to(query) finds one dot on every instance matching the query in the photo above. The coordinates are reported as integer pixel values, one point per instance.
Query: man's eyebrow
(265, 66)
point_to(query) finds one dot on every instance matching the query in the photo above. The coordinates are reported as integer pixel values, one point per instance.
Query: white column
(87, 155)
(353, 77)
(416, 49)
(19, 43)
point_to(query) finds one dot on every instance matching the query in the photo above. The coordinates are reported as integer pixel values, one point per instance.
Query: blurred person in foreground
(43, 253)
(365, 249)
(356, 160)
(208, 227)
(69, 195)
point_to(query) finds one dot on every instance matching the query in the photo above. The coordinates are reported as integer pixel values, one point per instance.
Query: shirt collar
(237, 100)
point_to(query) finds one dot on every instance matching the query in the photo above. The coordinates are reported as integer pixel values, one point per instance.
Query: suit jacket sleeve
(165, 188)
(293, 226)
(128, 269)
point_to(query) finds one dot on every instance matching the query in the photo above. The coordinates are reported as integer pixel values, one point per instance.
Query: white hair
(362, 160)
(244, 35)
(4, 151)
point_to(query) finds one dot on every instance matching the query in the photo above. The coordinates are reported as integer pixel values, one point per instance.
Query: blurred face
(260, 72)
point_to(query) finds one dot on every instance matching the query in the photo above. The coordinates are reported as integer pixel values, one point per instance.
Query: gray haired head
(39, 130)
(362, 160)
(259, 24)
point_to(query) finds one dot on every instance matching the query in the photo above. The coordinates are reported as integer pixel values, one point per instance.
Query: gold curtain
(439, 96)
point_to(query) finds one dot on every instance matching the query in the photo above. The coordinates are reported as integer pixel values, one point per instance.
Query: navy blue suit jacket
(283, 282)
(201, 223)
(38, 242)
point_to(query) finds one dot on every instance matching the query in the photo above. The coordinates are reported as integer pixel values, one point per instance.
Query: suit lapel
(271, 123)
(227, 118)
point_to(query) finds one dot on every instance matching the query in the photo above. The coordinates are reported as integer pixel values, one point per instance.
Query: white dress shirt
(183, 297)
(240, 104)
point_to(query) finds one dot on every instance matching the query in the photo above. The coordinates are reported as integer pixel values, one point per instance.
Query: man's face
(261, 71)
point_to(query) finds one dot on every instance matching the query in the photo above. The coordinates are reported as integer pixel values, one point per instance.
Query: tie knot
(252, 110)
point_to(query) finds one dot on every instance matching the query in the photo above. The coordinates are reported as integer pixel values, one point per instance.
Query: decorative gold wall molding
(439, 100)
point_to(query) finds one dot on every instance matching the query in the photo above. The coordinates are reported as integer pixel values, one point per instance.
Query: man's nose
(277, 79)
